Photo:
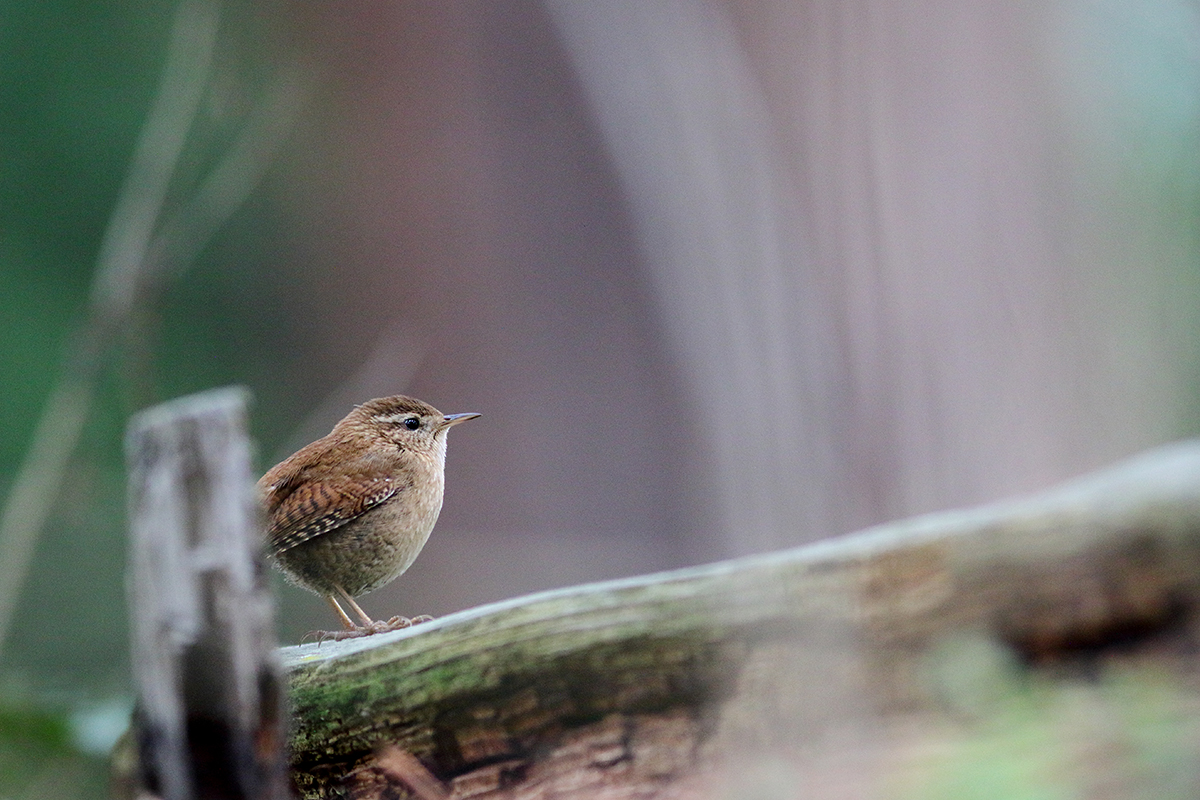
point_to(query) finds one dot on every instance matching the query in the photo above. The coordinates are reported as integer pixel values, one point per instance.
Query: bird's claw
(399, 623)
(358, 631)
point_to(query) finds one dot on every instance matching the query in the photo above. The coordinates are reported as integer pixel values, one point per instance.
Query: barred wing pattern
(314, 508)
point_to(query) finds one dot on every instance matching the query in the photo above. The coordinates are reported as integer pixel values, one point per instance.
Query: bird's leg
(350, 628)
(369, 625)
(367, 621)
(351, 631)
(337, 609)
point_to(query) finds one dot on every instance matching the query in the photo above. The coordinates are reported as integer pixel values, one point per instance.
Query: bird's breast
(373, 549)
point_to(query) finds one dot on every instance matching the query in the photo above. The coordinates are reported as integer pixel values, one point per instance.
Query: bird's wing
(298, 511)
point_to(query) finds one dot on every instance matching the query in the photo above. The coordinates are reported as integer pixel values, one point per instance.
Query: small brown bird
(351, 511)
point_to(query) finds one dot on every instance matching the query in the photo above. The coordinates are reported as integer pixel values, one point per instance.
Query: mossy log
(1049, 641)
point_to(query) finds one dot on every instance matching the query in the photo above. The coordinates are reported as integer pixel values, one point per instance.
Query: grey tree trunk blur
(725, 277)
(859, 222)
(721, 222)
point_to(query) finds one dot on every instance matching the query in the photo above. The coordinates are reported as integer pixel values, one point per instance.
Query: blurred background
(722, 277)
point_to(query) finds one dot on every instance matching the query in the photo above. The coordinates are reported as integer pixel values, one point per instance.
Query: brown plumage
(351, 511)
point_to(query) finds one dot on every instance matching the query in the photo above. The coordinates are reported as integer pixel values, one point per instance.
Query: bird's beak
(453, 419)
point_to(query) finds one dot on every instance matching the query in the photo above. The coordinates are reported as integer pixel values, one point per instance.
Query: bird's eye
(412, 423)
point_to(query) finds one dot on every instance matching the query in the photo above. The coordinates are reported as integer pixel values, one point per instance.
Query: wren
(350, 512)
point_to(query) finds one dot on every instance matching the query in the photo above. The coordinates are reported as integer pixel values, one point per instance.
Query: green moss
(1134, 732)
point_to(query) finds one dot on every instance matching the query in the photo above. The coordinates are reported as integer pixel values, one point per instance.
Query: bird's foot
(358, 631)
(398, 623)
(321, 637)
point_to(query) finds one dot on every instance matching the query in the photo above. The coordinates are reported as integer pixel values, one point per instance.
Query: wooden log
(210, 716)
(838, 666)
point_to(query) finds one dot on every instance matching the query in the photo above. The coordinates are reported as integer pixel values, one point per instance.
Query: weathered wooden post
(210, 719)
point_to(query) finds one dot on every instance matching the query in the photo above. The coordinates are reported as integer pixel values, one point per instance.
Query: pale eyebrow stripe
(397, 417)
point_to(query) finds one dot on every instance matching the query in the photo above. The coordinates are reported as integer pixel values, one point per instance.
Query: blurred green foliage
(77, 79)
(39, 757)
(1057, 733)
(1134, 733)
(76, 82)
